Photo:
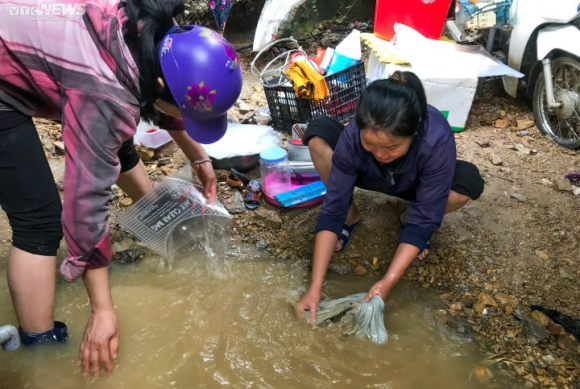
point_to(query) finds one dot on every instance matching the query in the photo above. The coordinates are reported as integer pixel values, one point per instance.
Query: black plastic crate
(345, 89)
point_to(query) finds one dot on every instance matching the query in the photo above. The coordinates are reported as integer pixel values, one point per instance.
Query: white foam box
(452, 96)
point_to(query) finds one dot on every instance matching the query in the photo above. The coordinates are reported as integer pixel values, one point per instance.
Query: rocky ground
(516, 246)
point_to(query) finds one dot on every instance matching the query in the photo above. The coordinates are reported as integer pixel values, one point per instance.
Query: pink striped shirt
(67, 60)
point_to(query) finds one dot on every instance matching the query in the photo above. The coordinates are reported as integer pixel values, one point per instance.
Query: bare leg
(321, 154)
(135, 182)
(454, 202)
(31, 280)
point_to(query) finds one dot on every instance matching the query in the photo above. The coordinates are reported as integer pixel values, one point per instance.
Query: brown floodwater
(201, 323)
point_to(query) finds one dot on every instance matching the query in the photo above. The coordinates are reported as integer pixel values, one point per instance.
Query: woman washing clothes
(396, 145)
(97, 68)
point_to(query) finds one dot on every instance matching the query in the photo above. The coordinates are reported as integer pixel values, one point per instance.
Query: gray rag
(355, 317)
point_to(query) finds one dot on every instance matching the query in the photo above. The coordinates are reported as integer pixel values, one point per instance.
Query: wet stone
(483, 143)
(457, 306)
(145, 153)
(495, 159)
(261, 244)
(123, 245)
(562, 184)
(501, 123)
(548, 359)
(505, 299)
(565, 274)
(522, 124)
(459, 325)
(486, 300)
(130, 256)
(542, 254)
(269, 217)
(479, 308)
(541, 317)
(482, 373)
(532, 329)
(59, 146)
(236, 205)
(555, 329)
(360, 270)
(339, 267)
(518, 196)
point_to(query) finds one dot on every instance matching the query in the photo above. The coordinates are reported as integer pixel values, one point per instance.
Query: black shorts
(466, 181)
(28, 193)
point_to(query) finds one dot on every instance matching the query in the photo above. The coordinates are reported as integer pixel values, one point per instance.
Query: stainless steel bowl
(241, 163)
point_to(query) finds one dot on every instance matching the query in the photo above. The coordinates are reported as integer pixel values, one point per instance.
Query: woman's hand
(309, 302)
(100, 342)
(380, 288)
(205, 173)
(195, 152)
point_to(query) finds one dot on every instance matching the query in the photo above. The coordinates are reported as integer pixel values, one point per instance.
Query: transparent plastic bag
(175, 219)
(355, 317)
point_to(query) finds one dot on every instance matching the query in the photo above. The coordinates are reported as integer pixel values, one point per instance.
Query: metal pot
(242, 163)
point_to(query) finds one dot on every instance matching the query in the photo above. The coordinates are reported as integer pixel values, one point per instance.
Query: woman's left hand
(205, 173)
(380, 288)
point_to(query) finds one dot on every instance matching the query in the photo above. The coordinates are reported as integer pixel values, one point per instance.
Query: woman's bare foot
(423, 254)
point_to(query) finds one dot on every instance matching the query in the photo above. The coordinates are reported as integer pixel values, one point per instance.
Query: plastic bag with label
(276, 16)
(176, 220)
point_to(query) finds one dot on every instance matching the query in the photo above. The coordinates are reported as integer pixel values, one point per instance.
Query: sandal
(345, 235)
(240, 177)
(252, 198)
(237, 180)
(234, 182)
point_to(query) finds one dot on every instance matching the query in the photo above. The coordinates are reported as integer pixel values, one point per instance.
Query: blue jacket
(423, 176)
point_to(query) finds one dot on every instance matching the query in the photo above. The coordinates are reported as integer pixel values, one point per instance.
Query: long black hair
(148, 21)
(396, 106)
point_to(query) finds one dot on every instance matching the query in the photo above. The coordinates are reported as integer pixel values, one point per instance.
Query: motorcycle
(541, 39)
(545, 46)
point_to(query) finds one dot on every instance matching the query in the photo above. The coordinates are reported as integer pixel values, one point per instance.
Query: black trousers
(28, 193)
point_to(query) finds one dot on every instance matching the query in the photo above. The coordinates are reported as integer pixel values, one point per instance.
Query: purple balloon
(203, 73)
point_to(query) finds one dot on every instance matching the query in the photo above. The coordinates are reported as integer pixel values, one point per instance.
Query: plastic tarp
(243, 139)
(439, 59)
(355, 317)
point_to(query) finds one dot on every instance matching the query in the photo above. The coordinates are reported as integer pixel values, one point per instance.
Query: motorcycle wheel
(562, 124)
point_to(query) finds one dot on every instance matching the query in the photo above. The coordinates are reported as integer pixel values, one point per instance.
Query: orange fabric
(308, 83)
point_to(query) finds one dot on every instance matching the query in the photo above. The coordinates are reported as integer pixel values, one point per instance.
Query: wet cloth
(355, 317)
(308, 83)
(76, 68)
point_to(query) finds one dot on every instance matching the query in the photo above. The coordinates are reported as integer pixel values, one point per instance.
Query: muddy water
(196, 323)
